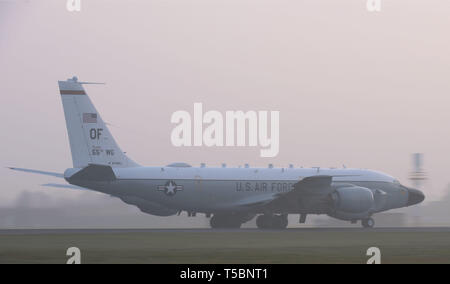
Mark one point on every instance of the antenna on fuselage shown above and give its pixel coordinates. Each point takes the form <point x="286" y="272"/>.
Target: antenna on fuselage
<point x="75" y="80"/>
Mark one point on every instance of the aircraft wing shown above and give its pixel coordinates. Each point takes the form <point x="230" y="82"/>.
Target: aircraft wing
<point x="312" y="185"/>
<point x="309" y="194"/>
<point x="256" y="200"/>
<point x="58" y="175"/>
<point x="305" y="188"/>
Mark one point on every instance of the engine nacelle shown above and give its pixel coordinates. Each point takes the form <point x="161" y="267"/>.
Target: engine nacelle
<point x="149" y="207"/>
<point x="352" y="202"/>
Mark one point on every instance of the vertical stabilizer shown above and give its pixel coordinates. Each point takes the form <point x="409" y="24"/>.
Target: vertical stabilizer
<point x="90" y="139"/>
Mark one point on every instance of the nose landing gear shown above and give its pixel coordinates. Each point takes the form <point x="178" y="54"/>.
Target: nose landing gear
<point x="368" y="223"/>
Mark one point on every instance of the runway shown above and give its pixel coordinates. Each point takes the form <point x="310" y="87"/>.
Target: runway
<point x="186" y="246"/>
<point x="207" y="230"/>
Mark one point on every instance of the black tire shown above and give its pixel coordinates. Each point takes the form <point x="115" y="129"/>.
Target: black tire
<point x="222" y="222"/>
<point x="272" y="221"/>
<point x="214" y="222"/>
<point x="263" y="221"/>
<point x="234" y="224"/>
<point x="279" y="222"/>
<point x="282" y="221"/>
<point x="368" y="223"/>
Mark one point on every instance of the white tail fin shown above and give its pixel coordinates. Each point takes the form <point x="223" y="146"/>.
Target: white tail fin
<point x="90" y="140"/>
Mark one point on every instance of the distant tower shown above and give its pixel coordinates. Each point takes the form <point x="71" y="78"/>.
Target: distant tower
<point x="417" y="177"/>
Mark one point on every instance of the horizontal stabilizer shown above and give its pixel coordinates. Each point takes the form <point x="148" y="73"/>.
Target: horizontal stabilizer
<point x="94" y="172"/>
<point x="38" y="172"/>
<point x="69" y="186"/>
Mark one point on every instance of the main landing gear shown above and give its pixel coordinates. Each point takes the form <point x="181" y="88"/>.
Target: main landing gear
<point x="225" y="222"/>
<point x="368" y="223"/>
<point x="269" y="221"/>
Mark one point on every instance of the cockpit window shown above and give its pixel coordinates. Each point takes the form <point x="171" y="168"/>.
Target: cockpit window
<point x="396" y="181"/>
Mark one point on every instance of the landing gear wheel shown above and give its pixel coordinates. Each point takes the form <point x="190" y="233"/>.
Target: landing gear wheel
<point x="368" y="223"/>
<point x="264" y="221"/>
<point x="224" y="222"/>
<point x="214" y="222"/>
<point x="279" y="221"/>
<point x="235" y="224"/>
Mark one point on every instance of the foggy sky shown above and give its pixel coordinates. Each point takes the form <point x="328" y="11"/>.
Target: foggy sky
<point x="355" y="88"/>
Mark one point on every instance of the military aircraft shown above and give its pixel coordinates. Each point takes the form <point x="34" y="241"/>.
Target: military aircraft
<point x="228" y="196"/>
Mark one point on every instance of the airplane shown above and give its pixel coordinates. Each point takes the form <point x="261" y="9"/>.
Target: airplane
<point x="230" y="197"/>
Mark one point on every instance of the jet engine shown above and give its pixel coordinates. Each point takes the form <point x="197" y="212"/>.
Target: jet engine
<point x="352" y="202"/>
<point x="148" y="206"/>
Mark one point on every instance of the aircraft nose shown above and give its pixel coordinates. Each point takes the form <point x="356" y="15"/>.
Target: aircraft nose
<point x="415" y="196"/>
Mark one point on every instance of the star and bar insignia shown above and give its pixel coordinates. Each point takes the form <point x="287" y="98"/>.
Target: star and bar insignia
<point x="170" y="188"/>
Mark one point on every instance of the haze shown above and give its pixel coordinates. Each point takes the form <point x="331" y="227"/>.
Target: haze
<point x="352" y="87"/>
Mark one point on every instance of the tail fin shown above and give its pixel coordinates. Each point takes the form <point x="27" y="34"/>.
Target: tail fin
<point x="90" y="140"/>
